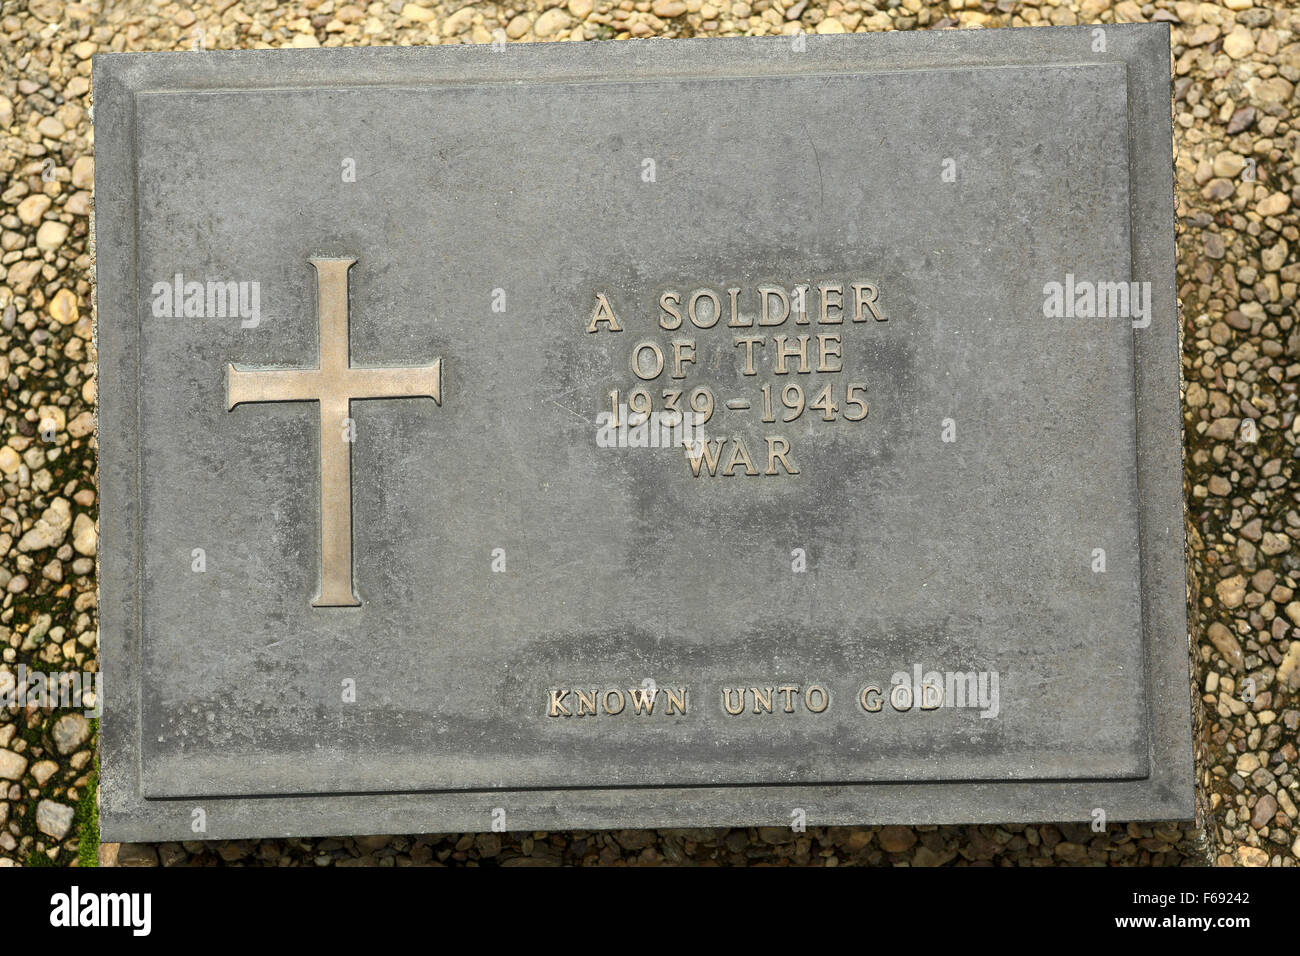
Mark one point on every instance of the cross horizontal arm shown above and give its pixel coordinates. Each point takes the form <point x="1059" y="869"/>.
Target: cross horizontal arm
<point x="271" y="385"/>
<point x="425" y="382"/>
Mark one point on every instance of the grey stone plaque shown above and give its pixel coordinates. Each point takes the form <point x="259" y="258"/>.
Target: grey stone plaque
<point x="640" y="434"/>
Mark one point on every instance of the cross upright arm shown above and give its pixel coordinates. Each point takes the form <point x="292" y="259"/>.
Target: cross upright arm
<point x="334" y="384"/>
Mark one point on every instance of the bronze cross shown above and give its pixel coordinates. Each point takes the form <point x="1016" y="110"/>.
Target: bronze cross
<point x="335" y="384"/>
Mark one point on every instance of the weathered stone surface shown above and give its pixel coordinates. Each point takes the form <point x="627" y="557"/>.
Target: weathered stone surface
<point x="505" y="565"/>
<point x="1227" y="645"/>
<point x="896" y="839"/>
<point x="1288" y="671"/>
<point x="136" y="854"/>
<point x="54" y="819"/>
<point x="12" y="765"/>
<point x="70" y="731"/>
<point x="50" y="529"/>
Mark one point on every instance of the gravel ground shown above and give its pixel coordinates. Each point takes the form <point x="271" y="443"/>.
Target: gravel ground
<point x="1236" y="65"/>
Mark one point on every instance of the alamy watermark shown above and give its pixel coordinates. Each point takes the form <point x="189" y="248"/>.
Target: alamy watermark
<point x="930" y="690"/>
<point x="70" y="690"/>
<point x="76" y="908"/>
<point x="212" y="299"/>
<point x="1085" y="299"/>
<point x="632" y="429"/>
